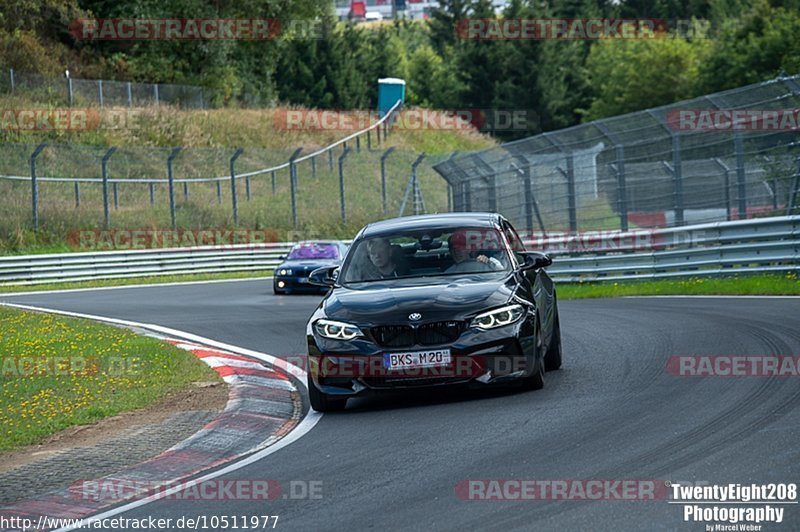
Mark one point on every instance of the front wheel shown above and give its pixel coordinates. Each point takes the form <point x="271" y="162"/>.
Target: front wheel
<point x="552" y="359"/>
<point x="535" y="381"/>
<point x="322" y="402"/>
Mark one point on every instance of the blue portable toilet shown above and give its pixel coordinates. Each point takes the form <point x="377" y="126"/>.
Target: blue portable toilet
<point x="390" y="90"/>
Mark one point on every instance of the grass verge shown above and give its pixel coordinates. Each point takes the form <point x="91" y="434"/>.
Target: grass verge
<point x="156" y="279"/>
<point x="771" y="285"/>
<point x="57" y="372"/>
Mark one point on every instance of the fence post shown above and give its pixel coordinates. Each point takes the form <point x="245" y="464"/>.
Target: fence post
<point x="100" y="91"/>
<point x="130" y="95"/>
<point x="171" y="179"/>
<point x="467" y="191"/>
<point x="677" y="176"/>
<point x="152" y="188"/>
<point x="116" y="196"/>
<point x="795" y="190"/>
<point x="35" y="185"/>
<point x="622" y="189"/>
<point x="369" y="140"/>
<point x="314" y="167"/>
<point x="11" y="77"/>
<point x="273" y="182"/>
<point x="412" y="187"/>
<point x="104" y="169"/>
<point x="386" y="154"/>
<point x="293" y="184"/>
<point x="234" y="200"/>
<point x="330" y="160"/>
<point x="358" y="144"/>
<point x="740" y="175"/>
<point x="524" y="169"/>
<point x="219" y="192"/>
<point x="155" y="92"/>
<point x="247" y="187"/>
<point x="341" y="184"/>
<point x="69" y="91"/>
<point x="77" y="194"/>
<point x="573" y="212"/>
<point x="185" y="191"/>
<point x="727" y="183"/>
<point x="418" y="199"/>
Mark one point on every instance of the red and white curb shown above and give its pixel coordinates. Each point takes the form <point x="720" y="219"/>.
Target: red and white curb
<point x="264" y="413"/>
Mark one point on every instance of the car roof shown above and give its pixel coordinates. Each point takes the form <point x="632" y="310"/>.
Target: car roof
<point x="454" y="219"/>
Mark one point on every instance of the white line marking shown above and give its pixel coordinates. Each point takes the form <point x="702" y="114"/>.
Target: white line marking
<point x="302" y="428"/>
<point x="147" y="285"/>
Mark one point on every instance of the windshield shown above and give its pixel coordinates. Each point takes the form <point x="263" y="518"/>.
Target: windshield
<point x="427" y="253"/>
<point x="313" y="250"/>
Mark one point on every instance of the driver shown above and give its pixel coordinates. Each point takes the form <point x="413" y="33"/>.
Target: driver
<point x="462" y="259"/>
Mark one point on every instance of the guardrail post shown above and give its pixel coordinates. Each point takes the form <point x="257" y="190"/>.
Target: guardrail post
<point x="100" y="91"/>
<point x="104" y="170"/>
<point x="386" y="154"/>
<point x="77" y="194"/>
<point x="293" y="184"/>
<point x="234" y="203"/>
<point x="740" y="175"/>
<point x="677" y="176"/>
<point x="171" y="179"/>
<point x="341" y="184"/>
<point x="130" y="95"/>
<point x="622" y="189"/>
<point x="35" y="185"/>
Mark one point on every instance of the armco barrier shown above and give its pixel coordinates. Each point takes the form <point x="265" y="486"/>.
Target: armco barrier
<point x="725" y="248"/>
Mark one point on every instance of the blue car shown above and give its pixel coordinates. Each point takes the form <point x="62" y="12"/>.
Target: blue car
<point x="292" y="274"/>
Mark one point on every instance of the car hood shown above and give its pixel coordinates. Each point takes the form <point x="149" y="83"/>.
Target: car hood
<point x="384" y="302"/>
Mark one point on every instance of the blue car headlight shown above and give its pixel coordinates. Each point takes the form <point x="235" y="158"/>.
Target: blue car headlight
<point x="284" y="271"/>
<point x="337" y="330"/>
<point x="499" y="317"/>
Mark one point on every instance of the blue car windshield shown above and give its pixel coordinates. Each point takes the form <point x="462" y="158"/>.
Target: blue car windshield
<point x="312" y="250"/>
<point x="428" y="253"/>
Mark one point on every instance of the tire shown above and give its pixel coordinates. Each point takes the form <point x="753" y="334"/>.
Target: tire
<point x="535" y="381"/>
<point x="322" y="402"/>
<point x="552" y="359"/>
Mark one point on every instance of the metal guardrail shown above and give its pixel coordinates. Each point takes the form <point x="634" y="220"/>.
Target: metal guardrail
<point x="724" y="248"/>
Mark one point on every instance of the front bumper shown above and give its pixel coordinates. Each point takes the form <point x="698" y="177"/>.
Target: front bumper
<point x="477" y="358"/>
<point x="295" y="282"/>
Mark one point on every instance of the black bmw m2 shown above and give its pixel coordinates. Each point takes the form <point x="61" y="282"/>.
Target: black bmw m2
<point x="428" y="301"/>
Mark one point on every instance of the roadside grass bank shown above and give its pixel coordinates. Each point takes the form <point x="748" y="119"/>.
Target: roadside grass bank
<point x="58" y="372"/>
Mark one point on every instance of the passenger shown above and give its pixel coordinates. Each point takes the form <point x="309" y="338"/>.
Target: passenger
<point x="462" y="259"/>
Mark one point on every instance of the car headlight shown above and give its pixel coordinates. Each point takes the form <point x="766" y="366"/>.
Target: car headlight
<point x="498" y="317"/>
<point x="337" y="330"/>
<point x="284" y="271"/>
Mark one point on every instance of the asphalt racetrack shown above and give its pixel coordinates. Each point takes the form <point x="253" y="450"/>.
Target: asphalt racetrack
<point x="613" y="412"/>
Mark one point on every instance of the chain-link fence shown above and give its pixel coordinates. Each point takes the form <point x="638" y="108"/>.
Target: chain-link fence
<point x="99" y="93"/>
<point x="335" y="190"/>
<point x="729" y="155"/>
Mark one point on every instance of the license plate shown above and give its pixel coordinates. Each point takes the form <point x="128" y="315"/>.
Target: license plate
<point x="417" y="359"/>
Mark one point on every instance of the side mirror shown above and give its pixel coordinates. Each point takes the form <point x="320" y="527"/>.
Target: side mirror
<point x="535" y="261"/>
<point x="325" y="276"/>
<point x="281" y="257"/>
